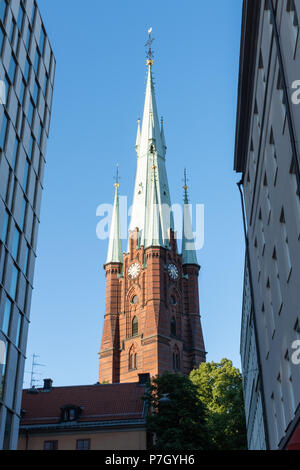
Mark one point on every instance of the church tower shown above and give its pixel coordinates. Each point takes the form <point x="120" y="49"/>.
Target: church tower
<point x="152" y="317"/>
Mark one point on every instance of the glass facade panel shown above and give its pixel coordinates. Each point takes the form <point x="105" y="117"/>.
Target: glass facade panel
<point x="19" y="218"/>
<point x="14" y="282"/>
<point x="1" y="39"/>
<point x="18" y="333"/>
<point x="6" y="318"/>
<point x="12" y="70"/>
<point x="2" y="10"/>
<point x="3" y="132"/>
<point x="3" y="356"/>
<point x="20" y="18"/>
<point x="16" y="243"/>
<point x="5" y="227"/>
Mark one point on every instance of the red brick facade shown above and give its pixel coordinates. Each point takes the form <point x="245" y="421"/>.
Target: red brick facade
<point x="153" y="300"/>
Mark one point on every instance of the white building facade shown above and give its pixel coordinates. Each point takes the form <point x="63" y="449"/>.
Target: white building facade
<point x="268" y="157"/>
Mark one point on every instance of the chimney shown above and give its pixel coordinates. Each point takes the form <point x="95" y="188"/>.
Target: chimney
<point x="144" y="378"/>
<point x="47" y="385"/>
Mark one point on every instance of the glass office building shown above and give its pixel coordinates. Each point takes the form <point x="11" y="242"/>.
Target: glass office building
<point x="27" y="69"/>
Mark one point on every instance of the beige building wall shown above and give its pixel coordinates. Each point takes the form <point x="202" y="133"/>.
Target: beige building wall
<point x="105" y="440"/>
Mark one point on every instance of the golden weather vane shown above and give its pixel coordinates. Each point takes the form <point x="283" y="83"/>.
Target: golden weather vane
<point x="148" y="45"/>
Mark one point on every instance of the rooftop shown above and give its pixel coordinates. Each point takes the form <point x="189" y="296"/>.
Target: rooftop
<point x="95" y="404"/>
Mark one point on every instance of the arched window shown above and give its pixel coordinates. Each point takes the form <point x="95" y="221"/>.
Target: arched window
<point x="176" y="359"/>
<point x="173" y="326"/>
<point x="135" y="300"/>
<point x="135" y="326"/>
<point x="133" y="359"/>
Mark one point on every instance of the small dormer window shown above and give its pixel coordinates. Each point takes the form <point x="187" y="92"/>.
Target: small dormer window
<point x="70" y="413"/>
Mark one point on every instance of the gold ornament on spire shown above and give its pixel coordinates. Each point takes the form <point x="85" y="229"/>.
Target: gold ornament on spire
<point x="149" y="53"/>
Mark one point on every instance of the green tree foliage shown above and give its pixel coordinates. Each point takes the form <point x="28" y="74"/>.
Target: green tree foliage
<point x="221" y="391"/>
<point x="177" y="421"/>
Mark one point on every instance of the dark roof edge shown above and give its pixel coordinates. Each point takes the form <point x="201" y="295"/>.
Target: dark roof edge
<point x="249" y="37"/>
<point x="81" y="425"/>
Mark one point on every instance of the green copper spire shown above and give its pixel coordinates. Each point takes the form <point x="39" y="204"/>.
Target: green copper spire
<point x="153" y="232"/>
<point x="189" y="255"/>
<point x="114" y="254"/>
<point x="151" y="147"/>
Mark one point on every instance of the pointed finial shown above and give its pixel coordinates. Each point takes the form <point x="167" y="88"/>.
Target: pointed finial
<point x="149" y="53"/>
<point x="185" y="187"/>
<point x="117" y="184"/>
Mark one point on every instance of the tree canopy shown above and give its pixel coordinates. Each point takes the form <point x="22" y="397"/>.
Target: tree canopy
<point x="220" y="388"/>
<point x="178" y="418"/>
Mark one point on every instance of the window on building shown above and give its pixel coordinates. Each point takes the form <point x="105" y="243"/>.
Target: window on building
<point x="35" y="92"/>
<point x="33" y="14"/>
<point x="70" y="413"/>
<point x="3" y="346"/>
<point x="15" y="153"/>
<point x="26" y="175"/>
<point x="42" y="41"/>
<point x="3" y="6"/>
<point x="28" y="38"/>
<point x="50" y="445"/>
<point x="14" y="282"/>
<point x="7" y="317"/>
<point x="135" y="363"/>
<point x="7" y="430"/>
<point x="31" y="147"/>
<point x="135" y="327"/>
<point x="45" y="84"/>
<point x="83" y="444"/>
<point x="135" y="300"/>
<point x="26" y="259"/>
<point x="16" y="244"/>
<point x="176" y="358"/>
<point x="12" y="31"/>
<point x="30" y="112"/>
<point x="173" y="326"/>
<point x="22" y="92"/>
<point x="1" y="39"/>
<point x="12" y="70"/>
<point x="20" y="18"/>
<point x="18" y="330"/>
<point x="23" y="214"/>
<point x="40" y="135"/>
<point x="133" y="358"/>
<point x="37" y="61"/>
<point x="3" y="131"/>
<point x="5" y="227"/>
<point x="27" y="69"/>
<point x="291" y="8"/>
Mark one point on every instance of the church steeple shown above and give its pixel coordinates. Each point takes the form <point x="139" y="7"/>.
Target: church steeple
<point x="114" y="253"/>
<point x="151" y="146"/>
<point x="189" y="255"/>
<point x="152" y="316"/>
<point x="153" y="229"/>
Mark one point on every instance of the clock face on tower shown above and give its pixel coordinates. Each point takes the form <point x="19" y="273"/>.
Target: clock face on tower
<point x="134" y="271"/>
<point x="173" y="271"/>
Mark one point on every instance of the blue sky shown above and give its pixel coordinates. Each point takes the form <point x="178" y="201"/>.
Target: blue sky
<point x="98" y="96"/>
